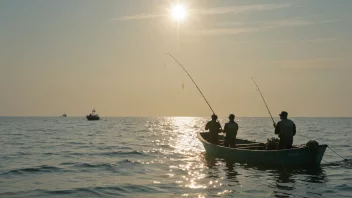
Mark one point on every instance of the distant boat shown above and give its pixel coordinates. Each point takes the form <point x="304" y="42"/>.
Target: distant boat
<point x="93" y="116"/>
<point x="64" y="115"/>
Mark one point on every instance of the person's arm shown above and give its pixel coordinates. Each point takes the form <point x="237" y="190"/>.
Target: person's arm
<point x="225" y="128"/>
<point x="277" y="128"/>
<point x="219" y="127"/>
<point x="207" y="126"/>
<point x="294" y="129"/>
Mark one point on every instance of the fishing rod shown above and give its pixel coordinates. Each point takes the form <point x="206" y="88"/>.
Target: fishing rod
<point x="274" y="125"/>
<point x="189" y="75"/>
<point x="264" y="101"/>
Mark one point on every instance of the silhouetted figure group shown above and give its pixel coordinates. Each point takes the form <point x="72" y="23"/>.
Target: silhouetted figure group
<point x="230" y="129"/>
<point x="285" y="129"/>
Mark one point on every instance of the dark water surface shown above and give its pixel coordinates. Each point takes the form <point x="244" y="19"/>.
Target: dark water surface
<point x="159" y="157"/>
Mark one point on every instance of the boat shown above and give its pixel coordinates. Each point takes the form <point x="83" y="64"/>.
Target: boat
<point x="93" y="116"/>
<point x="251" y="152"/>
<point x="64" y="115"/>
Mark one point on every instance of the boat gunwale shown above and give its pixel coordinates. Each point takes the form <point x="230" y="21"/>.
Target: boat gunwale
<point x="200" y="137"/>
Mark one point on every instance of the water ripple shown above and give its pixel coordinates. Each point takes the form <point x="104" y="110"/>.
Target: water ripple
<point x="38" y="169"/>
<point x="159" y="157"/>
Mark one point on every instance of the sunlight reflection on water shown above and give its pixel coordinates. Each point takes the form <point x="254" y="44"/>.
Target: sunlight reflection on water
<point x="200" y="171"/>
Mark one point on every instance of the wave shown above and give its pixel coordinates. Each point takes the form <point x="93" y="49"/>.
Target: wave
<point x="79" y="143"/>
<point x="42" y="168"/>
<point x="114" y="148"/>
<point x="347" y="163"/>
<point x="123" y="168"/>
<point x="35" y="130"/>
<point x="23" y="153"/>
<point x="344" y="187"/>
<point x="51" y="153"/>
<point x="101" y="165"/>
<point x="120" y="190"/>
<point x="88" y="165"/>
<point x="112" y="153"/>
<point x="128" y="162"/>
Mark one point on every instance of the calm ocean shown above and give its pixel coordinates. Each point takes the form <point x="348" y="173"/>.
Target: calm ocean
<point x="159" y="157"/>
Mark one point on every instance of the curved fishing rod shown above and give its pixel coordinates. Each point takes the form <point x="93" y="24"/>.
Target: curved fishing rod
<point x="193" y="83"/>
<point x="264" y="101"/>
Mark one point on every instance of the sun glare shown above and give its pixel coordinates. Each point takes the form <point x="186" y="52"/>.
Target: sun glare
<point x="178" y="12"/>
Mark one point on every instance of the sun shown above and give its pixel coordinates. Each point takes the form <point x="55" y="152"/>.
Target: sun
<point x="178" y="12"/>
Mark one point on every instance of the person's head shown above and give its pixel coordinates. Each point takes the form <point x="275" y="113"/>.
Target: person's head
<point x="214" y="117"/>
<point x="232" y="117"/>
<point x="283" y="115"/>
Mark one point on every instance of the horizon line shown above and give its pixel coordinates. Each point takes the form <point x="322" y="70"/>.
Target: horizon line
<point x="75" y="116"/>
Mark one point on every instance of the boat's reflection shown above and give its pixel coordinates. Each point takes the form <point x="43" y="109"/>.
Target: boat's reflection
<point x="282" y="181"/>
<point x="216" y="165"/>
<point x="231" y="172"/>
<point x="286" y="180"/>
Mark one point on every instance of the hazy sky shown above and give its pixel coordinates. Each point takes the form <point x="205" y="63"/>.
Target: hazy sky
<point x="70" y="56"/>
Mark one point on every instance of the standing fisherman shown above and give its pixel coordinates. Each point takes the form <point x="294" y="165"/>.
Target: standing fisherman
<point x="231" y="129"/>
<point x="214" y="128"/>
<point x="286" y="129"/>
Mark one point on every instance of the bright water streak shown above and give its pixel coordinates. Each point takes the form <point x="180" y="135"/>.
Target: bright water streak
<point x="158" y="157"/>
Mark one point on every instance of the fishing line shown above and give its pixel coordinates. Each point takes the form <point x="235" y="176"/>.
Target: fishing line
<point x="328" y="147"/>
<point x="338" y="154"/>
<point x="194" y="84"/>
